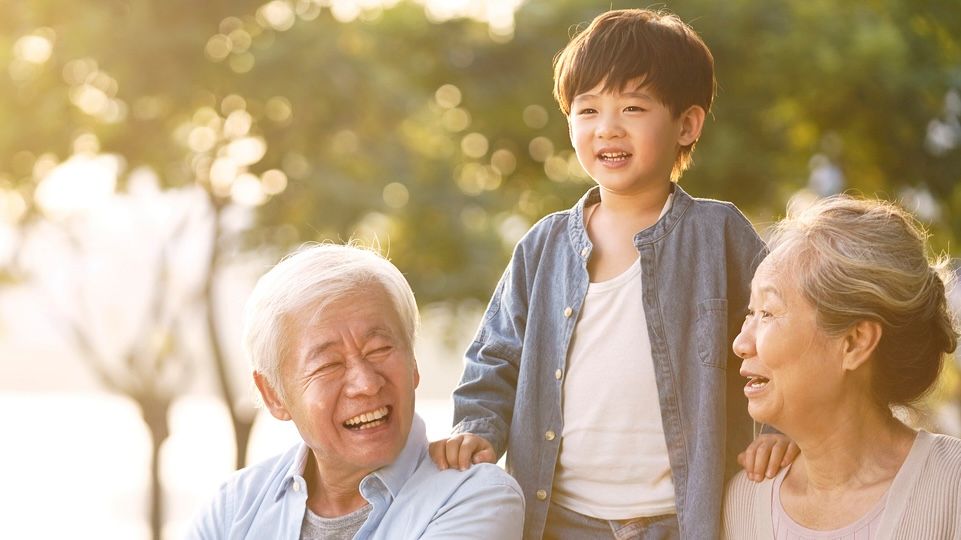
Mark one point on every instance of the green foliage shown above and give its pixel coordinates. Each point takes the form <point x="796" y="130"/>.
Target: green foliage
<point x="371" y="139"/>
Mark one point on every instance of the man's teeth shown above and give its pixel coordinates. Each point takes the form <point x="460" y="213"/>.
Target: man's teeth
<point x="368" y="419"/>
<point x="757" y="382"/>
<point x="614" y="156"/>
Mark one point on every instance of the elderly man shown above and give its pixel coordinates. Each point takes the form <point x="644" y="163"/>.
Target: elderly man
<point x="330" y="333"/>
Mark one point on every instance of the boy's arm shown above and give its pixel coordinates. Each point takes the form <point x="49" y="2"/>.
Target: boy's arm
<point x="745" y="251"/>
<point x="484" y="399"/>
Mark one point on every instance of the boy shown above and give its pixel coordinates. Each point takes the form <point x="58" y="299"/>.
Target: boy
<point x="603" y="360"/>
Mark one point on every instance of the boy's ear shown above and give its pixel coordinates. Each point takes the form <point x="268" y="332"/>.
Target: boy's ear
<point x="860" y="342"/>
<point x="271" y="400"/>
<point x="692" y="120"/>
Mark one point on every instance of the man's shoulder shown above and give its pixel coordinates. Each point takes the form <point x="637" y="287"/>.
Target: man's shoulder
<point x="262" y="476"/>
<point x="428" y="480"/>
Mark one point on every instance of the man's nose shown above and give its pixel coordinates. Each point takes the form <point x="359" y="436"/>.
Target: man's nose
<point x="363" y="379"/>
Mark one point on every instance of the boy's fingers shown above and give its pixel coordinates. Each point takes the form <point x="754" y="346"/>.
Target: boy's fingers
<point x="452" y="450"/>
<point x="741" y="459"/>
<point x="484" y="456"/>
<point x="749" y="461"/>
<point x="774" y="463"/>
<point x="438" y="454"/>
<point x="761" y="456"/>
<point x="793" y="451"/>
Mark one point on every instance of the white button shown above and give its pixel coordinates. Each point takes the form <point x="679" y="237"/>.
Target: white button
<point x="558" y="374"/>
<point x="296" y="485"/>
<point x="541" y="494"/>
<point x="585" y="251"/>
<point x="549" y="435"/>
<point x="568" y="311"/>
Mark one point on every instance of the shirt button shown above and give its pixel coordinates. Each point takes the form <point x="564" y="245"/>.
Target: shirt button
<point x="558" y="374"/>
<point x="296" y="486"/>
<point x="549" y="435"/>
<point x="585" y="251"/>
<point x="568" y="311"/>
<point x="541" y="495"/>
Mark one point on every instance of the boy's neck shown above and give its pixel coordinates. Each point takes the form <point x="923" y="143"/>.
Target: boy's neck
<point x="636" y="203"/>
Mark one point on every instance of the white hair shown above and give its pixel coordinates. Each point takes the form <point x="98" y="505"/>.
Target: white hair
<point x="315" y="275"/>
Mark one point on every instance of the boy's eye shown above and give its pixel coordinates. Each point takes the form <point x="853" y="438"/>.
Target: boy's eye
<point x="634" y="108"/>
<point x="586" y="110"/>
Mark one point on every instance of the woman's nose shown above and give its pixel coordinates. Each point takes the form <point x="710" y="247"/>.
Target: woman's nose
<point x="744" y="342"/>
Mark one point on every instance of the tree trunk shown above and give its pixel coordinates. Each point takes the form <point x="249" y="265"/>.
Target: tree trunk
<point x="242" y="429"/>
<point x="154" y="412"/>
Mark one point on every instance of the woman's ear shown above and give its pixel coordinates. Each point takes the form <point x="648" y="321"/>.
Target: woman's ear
<point x="692" y="121"/>
<point x="271" y="400"/>
<point x="860" y="342"/>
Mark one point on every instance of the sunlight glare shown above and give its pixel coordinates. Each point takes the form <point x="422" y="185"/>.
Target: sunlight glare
<point x="81" y="183"/>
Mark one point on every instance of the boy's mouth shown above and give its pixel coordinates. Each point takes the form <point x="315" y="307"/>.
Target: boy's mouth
<point x="613" y="157"/>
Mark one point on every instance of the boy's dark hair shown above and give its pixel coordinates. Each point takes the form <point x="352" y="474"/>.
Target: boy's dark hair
<point x="657" y="48"/>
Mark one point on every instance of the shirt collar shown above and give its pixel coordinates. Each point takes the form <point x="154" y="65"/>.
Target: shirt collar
<point x="393" y="476"/>
<point x="679" y="202"/>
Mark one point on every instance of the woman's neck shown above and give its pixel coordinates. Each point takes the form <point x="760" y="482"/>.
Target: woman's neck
<point x="861" y="448"/>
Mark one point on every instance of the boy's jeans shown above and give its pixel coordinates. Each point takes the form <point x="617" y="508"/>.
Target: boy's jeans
<point x="567" y="524"/>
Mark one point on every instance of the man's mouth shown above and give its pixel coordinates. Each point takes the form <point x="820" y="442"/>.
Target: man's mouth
<point x="369" y="419"/>
<point x="756" y="382"/>
<point x="613" y="157"/>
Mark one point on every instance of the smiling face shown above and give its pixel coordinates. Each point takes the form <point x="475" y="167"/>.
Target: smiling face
<point x="628" y="141"/>
<point x="794" y="369"/>
<point x="349" y="377"/>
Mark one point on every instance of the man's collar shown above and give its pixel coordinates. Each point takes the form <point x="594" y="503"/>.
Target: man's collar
<point x="393" y="476"/>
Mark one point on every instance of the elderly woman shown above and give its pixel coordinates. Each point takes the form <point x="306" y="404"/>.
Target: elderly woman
<point x="847" y="318"/>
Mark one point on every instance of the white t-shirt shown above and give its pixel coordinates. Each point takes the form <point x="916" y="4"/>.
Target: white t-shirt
<point x="613" y="461"/>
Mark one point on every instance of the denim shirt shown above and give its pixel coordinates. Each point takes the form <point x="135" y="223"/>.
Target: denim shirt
<point x="697" y="262"/>
<point x="411" y="498"/>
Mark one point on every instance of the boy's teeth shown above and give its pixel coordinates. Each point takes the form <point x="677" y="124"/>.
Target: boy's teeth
<point x="367" y="417"/>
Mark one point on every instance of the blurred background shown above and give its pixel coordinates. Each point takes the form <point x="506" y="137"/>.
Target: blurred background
<point x="157" y="156"/>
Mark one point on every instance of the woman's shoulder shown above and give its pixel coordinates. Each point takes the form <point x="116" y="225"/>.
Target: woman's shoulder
<point x="944" y="456"/>
<point x="740" y="516"/>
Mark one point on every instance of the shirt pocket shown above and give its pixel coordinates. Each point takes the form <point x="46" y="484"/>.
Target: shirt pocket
<point x="712" y="342"/>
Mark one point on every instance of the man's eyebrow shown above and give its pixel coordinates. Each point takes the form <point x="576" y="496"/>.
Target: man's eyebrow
<point x="379" y="331"/>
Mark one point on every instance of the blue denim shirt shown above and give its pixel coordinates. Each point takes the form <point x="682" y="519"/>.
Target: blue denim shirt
<point x="697" y="262"/>
<point x="411" y="498"/>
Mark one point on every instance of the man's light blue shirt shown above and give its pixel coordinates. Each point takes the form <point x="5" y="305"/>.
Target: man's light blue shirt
<point x="411" y="498"/>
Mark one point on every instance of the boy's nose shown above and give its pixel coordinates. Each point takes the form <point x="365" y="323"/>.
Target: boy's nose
<point x="609" y="128"/>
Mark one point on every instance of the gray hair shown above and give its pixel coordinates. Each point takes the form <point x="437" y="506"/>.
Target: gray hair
<point x="858" y="259"/>
<point x="315" y="274"/>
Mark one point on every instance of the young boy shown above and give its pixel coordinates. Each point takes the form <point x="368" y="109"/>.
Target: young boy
<point x="603" y="361"/>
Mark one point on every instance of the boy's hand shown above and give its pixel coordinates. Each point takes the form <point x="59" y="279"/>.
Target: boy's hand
<point x="460" y="451"/>
<point x="766" y="455"/>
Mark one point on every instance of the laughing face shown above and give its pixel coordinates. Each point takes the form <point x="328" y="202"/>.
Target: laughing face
<point x="792" y="367"/>
<point x="349" y="377"/>
<point x="628" y="140"/>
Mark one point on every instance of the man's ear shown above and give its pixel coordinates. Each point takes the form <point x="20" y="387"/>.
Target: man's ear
<point x="859" y="342"/>
<point x="692" y="121"/>
<point x="271" y="400"/>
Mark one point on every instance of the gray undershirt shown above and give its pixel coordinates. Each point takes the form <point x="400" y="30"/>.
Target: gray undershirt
<point x="339" y="528"/>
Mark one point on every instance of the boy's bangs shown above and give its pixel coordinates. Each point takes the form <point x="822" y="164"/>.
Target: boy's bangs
<point x="624" y="64"/>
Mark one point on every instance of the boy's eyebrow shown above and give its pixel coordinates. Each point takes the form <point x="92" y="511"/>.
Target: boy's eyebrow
<point x="633" y="94"/>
